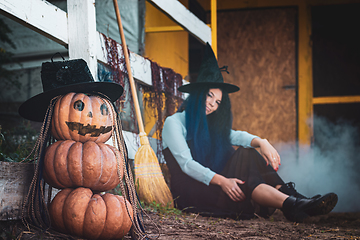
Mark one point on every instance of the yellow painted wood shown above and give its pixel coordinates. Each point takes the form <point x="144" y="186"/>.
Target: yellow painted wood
<point x="149" y="118"/>
<point x="166" y="45"/>
<point x="214" y="26"/>
<point x="164" y="29"/>
<point x="155" y="18"/>
<point x="336" y="99"/>
<point x="167" y="48"/>
<point x="305" y="79"/>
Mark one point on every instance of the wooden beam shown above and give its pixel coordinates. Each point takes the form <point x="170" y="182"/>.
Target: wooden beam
<point x="305" y="79"/>
<point x="336" y="99"/>
<point x="164" y="29"/>
<point x="169" y="29"/>
<point x="214" y="26"/>
<point x="82" y="32"/>
<point x="182" y="16"/>
<point x="38" y="15"/>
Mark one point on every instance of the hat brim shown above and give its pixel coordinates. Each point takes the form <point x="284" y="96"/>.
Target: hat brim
<point x="188" y="88"/>
<point x="34" y="109"/>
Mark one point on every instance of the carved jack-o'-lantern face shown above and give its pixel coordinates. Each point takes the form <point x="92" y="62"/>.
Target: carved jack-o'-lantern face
<point x="81" y="118"/>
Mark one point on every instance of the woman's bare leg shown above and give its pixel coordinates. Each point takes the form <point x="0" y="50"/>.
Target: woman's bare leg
<point x="268" y="196"/>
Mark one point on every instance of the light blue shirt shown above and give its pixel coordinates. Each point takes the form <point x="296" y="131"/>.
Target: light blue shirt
<point x="174" y="137"/>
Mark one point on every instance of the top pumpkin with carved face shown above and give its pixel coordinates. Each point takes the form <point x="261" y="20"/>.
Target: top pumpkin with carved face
<point x="81" y="118"/>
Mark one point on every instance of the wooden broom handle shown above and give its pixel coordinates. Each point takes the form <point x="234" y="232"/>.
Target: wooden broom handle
<point x="128" y="67"/>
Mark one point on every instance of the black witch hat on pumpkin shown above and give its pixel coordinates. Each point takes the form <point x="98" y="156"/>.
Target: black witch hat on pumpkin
<point x="59" y="78"/>
<point x="209" y="75"/>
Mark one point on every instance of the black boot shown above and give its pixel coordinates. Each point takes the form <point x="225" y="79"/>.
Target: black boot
<point x="293" y="208"/>
<point x="325" y="204"/>
<point x="298" y="209"/>
<point x="289" y="189"/>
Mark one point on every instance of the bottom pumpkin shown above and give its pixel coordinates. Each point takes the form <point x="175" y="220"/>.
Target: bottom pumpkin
<point x="81" y="213"/>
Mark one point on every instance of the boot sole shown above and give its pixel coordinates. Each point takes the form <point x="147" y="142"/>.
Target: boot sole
<point x="324" y="205"/>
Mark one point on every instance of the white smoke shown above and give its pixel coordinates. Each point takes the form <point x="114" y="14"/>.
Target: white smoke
<point x="331" y="165"/>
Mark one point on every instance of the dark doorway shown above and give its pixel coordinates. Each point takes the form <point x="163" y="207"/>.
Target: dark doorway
<point x="336" y="61"/>
<point x="336" y="72"/>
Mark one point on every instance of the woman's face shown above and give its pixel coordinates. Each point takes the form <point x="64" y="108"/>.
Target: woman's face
<point x="213" y="100"/>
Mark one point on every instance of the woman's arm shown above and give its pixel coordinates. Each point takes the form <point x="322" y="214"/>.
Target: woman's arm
<point x="267" y="151"/>
<point x="174" y="137"/>
<point x="229" y="186"/>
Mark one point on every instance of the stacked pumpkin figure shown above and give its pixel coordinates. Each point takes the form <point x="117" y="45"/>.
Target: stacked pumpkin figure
<point x="81" y="164"/>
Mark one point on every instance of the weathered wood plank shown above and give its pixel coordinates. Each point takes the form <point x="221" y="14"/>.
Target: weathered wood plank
<point x="15" y="180"/>
<point x="259" y="47"/>
<point x="38" y="15"/>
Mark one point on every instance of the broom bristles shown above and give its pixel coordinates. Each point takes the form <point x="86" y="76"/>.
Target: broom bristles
<point x="149" y="179"/>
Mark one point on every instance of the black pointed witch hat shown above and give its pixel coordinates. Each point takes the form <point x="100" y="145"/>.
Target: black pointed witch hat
<point x="59" y="78"/>
<point x="209" y="75"/>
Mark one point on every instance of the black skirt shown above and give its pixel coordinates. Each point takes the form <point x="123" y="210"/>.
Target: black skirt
<point x="245" y="164"/>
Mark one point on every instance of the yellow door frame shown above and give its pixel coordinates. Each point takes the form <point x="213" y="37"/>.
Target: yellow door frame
<point x="306" y="99"/>
<point x="305" y="76"/>
<point x="214" y="26"/>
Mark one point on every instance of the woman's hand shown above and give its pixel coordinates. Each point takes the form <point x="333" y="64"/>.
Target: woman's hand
<point x="268" y="152"/>
<point x="230" y="187"/>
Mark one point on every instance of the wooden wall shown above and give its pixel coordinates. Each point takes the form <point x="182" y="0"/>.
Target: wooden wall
<point x="259" y="47"/>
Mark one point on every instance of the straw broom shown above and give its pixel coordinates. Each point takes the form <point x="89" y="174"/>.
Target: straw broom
<point x="149" y="180"/>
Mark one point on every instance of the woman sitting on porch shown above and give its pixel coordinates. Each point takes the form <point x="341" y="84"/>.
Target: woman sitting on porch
<point x="209" y="176"/>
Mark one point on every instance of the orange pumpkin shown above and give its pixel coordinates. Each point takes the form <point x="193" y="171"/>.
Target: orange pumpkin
<point x="78" y="212"/>
<point x="81" y="118"/>
<point x="70" y="164"/>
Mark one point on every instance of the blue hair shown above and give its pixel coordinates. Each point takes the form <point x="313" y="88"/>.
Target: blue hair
<point x="208" y="135"/>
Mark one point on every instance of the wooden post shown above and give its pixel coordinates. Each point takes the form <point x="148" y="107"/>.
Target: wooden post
<point x="214" y="26"/>
<point x="82" y="32"/>
<point x="305" y="93"/>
